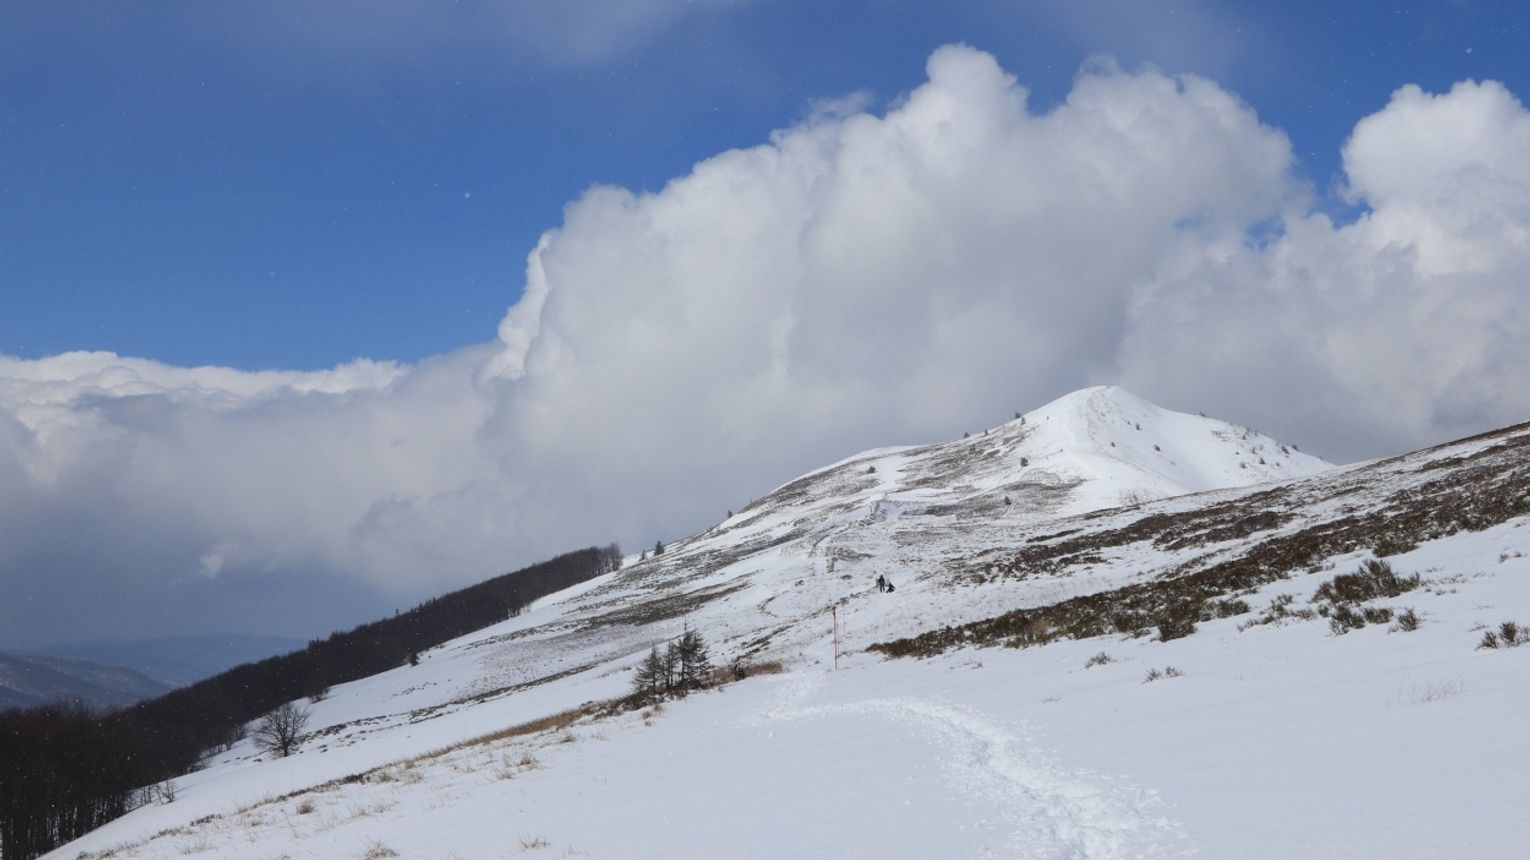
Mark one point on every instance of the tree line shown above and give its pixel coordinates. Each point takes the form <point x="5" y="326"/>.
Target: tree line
<point x="66" y="770"/>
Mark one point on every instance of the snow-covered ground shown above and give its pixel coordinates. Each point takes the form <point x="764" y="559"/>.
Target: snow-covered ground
<point x="1270" y="740"/>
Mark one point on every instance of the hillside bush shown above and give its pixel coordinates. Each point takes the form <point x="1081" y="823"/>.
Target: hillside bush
<point x="1343" y="618"/>
<point x="1408" y="621"/>
<point x="1509" y="634"/>
<point x="1374" y="579"/>
<point x="1226" y="608"/>
<point x="1394" y="545"/>
<point x="1175" y="628"/>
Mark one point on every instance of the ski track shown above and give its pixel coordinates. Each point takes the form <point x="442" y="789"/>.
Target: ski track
<point x="1052" y="813"/>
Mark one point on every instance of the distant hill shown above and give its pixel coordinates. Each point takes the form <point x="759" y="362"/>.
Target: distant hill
<point x="30" y="679"/>
<point x="176" y="660"/>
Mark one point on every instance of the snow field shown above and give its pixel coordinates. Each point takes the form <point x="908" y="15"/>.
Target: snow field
<point x="1276" y="741"/>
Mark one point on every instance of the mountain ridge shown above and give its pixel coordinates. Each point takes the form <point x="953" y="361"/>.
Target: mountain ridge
<point x="32" y="679"/>
<point x="175" y="660"/>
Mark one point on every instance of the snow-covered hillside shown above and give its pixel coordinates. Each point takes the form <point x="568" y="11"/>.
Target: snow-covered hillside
<point x="1275" y="736"/>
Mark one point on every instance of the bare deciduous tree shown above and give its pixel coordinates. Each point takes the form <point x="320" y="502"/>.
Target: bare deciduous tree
<point x="280" y="731"/>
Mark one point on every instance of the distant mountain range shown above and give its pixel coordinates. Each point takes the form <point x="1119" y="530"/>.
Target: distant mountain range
<point x="113" y="673"/>
<point x="30" y="679"/>
<point x="176" y="660"/>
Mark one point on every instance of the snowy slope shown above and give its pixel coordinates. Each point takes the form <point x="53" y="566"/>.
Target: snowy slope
<point x="1280" y="739"/>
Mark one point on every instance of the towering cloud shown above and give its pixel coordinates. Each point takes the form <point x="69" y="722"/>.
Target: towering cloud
<point x="1407" y="326"/>
<point x="861" y="279"/>
<point x="865" y="279"/>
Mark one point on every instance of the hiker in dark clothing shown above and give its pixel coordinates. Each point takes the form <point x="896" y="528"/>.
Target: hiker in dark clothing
<point x="890" y="588"/>
<point x="881" y="582"/>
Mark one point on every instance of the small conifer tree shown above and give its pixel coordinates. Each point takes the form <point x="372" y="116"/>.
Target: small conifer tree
<point x="648" y="681"/>
<point x="692" y="661"/>
<point x="669" y="671"/>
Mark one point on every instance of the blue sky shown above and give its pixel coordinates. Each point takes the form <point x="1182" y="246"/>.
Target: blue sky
<point x="297" y="187"/>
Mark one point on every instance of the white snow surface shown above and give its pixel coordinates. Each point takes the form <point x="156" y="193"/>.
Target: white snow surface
<point x="1278" y="740"/>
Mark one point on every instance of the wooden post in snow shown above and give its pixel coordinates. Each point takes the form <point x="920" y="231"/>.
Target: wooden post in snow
<point x="835" y="611"/>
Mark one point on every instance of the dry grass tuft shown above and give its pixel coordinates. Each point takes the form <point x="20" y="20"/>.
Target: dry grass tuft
<point x="1430" y="691"/>
<point x="552" y="722"/>
<point x="377" y="851"/>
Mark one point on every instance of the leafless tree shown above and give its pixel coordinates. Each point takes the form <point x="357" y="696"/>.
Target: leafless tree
<point x="280" y="731"/>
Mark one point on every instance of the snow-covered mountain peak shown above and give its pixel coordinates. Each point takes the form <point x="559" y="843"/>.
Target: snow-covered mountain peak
<point x="1095" y="448"/>
<point x="1123" y="449"/>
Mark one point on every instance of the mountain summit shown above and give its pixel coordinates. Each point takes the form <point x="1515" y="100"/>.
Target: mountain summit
<point x="1096" y="448"/>
<point x="1124" y="450"/>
